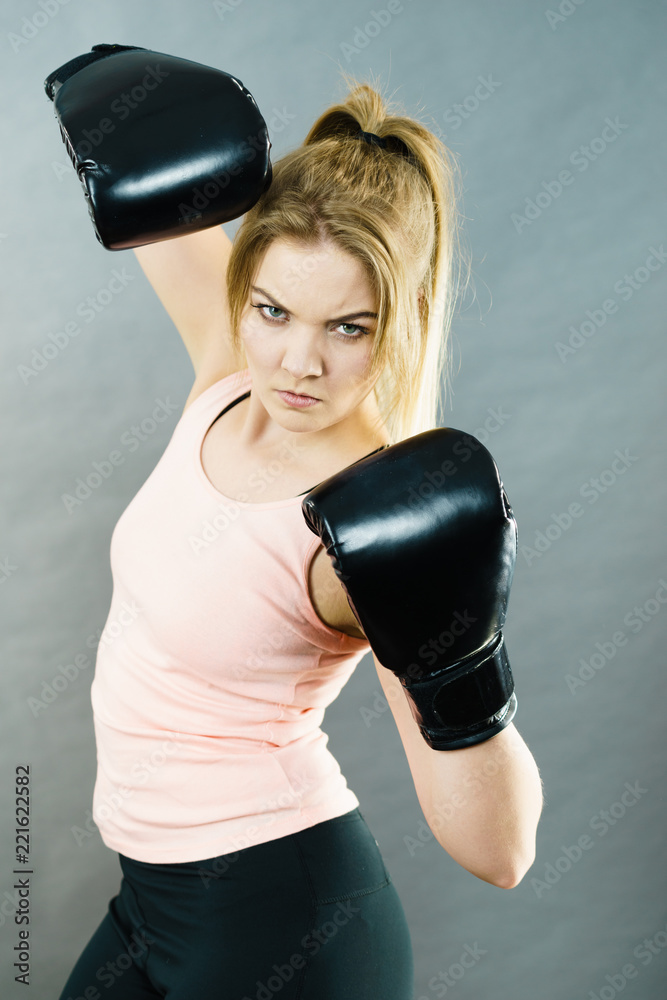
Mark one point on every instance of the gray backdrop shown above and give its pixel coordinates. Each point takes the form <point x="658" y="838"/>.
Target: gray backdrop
<point x="557" y="117"/>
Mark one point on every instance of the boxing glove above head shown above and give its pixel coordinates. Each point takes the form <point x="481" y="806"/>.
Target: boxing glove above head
<point x="424" y="542"/>
<point x="163" y="146"/>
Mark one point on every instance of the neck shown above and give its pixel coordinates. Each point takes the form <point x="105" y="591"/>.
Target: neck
<point x="360" y="431"/>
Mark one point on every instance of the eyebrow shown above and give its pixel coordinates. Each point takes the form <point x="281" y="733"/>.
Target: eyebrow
<point x="336" y="319"/>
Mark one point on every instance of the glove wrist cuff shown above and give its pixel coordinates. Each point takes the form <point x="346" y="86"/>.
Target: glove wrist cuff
<point x="465" y="703"/>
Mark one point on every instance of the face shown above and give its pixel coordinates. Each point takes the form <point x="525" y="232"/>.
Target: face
<point x="308" y="329"/>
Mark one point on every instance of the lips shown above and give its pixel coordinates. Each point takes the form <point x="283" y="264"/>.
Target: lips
<point x="303" y="395"/>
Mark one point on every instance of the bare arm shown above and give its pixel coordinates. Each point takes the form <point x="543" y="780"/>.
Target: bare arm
<point x="482" y="803"/>
<point x="188" y="276"/>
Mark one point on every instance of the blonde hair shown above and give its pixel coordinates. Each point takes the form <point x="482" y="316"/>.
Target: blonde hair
<point x="394" y="210"/>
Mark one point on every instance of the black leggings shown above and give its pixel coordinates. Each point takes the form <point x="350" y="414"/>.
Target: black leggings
<point x="310" y="916"/>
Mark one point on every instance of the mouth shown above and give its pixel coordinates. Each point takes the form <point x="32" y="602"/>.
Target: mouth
<point x="297" y="400"/>
<point x="300" y="395"/>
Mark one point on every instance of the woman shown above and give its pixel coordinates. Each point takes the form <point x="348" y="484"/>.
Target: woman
<point x="248" y="869"/>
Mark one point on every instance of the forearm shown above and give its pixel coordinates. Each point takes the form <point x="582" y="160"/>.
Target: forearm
<point x="482" y="803"/>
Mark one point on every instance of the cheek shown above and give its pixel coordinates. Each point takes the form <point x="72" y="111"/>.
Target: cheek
<point x="245" y="329"/>
<point x="359" y="363"/>
<point x="254" y="337"/>
<point x="350" y="379"/>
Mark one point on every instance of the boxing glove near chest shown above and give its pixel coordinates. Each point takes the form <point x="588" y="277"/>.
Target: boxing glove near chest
<point x="423" y="539"/>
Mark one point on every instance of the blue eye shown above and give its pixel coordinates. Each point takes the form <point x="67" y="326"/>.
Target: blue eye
<point x="265" y="305"/>
<point x="362" y="330"/>
<point x="273" y="307"/>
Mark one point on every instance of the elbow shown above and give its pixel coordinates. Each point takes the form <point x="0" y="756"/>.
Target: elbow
<point x="513" y="874"/>
<point x="503" y="872"/>
<point x="509" y="880"/>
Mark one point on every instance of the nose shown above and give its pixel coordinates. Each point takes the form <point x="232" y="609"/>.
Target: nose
<point x="302" y="357"/>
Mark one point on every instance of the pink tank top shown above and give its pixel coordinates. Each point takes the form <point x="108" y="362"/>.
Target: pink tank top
<point x="213" y="671"/>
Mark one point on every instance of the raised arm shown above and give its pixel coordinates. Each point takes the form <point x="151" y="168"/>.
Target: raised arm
<point x="188" y="276"/>
<point x="191" y="155"/>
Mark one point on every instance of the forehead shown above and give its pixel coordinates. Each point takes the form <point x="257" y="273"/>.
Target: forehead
<point x="322" y="271"/>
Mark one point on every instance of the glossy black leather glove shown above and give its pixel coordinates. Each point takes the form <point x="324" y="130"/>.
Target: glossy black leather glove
<point x="423" y="539"/>
<point x="163" y="146"/>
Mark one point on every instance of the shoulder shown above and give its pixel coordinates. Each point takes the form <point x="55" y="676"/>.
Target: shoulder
<point x="328" y="596"/>
<point x="208" y="377"/>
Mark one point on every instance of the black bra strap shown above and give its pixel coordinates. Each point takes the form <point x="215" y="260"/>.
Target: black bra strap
<point x="245" y="396"/>
<point x="382" y="446"/>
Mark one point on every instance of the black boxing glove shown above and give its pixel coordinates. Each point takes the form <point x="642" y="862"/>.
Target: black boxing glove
<point x="424" y="542"/>
<point x="163" y="146"/>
